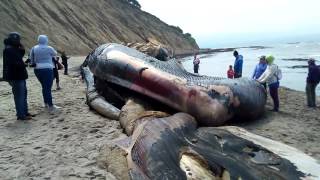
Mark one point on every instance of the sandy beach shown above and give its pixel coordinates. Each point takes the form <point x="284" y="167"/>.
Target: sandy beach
<point x="67" y="145"/>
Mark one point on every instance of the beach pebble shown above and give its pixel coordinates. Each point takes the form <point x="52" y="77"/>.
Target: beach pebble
<point x="93" y="130"/>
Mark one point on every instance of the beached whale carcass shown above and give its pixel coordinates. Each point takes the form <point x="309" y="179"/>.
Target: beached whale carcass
<point x="173" y="147"/>
<point x="211" y="100"/>
<point x="164" y="146"/>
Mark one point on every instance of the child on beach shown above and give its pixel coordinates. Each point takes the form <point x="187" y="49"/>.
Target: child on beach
<point x="55" y="61"/>
<point x="230" y="72"/>
<point x="64" y="59"/>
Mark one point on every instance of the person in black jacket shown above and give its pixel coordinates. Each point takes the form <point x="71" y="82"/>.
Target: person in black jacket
<point x="15" y="73"/>
<point x="55" y="62"/>
<point x="312" y="82"/>
<point x="64" y="59"/>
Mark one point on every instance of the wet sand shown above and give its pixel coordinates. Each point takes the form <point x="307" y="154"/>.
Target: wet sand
<point x="66" y="145"/>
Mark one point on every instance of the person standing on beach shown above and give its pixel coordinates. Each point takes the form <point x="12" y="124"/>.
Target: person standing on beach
<point x="313" y="79"/>
<point x="230" y="72"/>
<point x="196" y="63"/>
<point x="259" y="69"/>
<point x="41" y="57"/>
<point x="15" y="73"/>
<point x="64" y="59"/>
<point x="271" y="76"/>
<point x="237" y="64"/>
<point x="56" y="72"/>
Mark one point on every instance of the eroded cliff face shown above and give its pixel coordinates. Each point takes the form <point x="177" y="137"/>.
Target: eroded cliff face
<point x="78" y="26"/>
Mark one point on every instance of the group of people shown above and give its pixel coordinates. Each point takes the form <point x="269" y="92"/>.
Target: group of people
<point x="237" y="71"/>
<point x="265" y="72"/>
<point x="46" y="65"/>
<point x="42" y="59"/>
<point x="269" y="74"/>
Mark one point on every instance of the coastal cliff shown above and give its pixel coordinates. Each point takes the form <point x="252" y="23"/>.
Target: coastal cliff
<point x="80" y="26"/>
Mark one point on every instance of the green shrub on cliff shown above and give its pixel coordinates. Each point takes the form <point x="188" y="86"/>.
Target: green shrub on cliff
<point x="189" y="37"/>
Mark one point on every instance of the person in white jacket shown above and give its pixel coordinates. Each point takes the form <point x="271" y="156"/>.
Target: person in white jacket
<point x="270" y="76"/>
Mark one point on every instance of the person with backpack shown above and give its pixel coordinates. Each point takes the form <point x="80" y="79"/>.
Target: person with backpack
<point x="271" y="76"/>
<point x="313" y="79"/>
<point x="15" y="73"/>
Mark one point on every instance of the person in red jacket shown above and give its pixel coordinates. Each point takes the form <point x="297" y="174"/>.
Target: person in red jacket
<point x="230" y="72"/>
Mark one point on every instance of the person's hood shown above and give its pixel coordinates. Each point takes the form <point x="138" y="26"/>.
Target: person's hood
<point x="6" y="42"/>
<point x="239" y="57"/>
<point x="270" y="59"/>
<point x="311" y="61"/>
<point x="43" y="40"/>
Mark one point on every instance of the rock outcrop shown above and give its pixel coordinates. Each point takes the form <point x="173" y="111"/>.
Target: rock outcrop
<point x="80" y="26"/>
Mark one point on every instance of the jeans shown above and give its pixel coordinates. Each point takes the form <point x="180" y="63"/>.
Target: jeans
<point x="45" y="77"/>
<point x="65" y="65"/>
<point x="311" y="94"/>
<point x="19" y="90"/>
<point x="273" y="88"/>
<point x="237" y="75"/>
<point x="196" y="68"/>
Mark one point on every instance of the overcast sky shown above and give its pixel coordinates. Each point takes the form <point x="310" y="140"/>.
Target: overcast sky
<point x="212" y="18"/>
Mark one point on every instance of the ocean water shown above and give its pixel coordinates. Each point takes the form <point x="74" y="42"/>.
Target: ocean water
<point x="295" y="78"/>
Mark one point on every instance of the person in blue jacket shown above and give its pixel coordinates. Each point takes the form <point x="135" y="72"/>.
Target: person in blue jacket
<point x="237" y="64"/>
<point x="259" y="69"/>
<point x="41" y="57"/>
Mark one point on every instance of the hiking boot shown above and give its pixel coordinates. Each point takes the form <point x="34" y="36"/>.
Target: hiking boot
<point x="57" y="107"/>
<point x="54" y="109"/>
<point x="46" y="106"/>
<point x="30" y="115"/>
<point x="24" y="118"/>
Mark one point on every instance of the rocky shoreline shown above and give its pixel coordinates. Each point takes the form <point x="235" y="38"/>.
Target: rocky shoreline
<point x="216" y="50"/>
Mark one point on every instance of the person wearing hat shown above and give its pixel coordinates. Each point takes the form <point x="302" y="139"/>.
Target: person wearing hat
<point x="15" y="73"/>
<point x="271" y="77"/>
<point x="312" y="82"/>
<point x="260" y="68"/>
